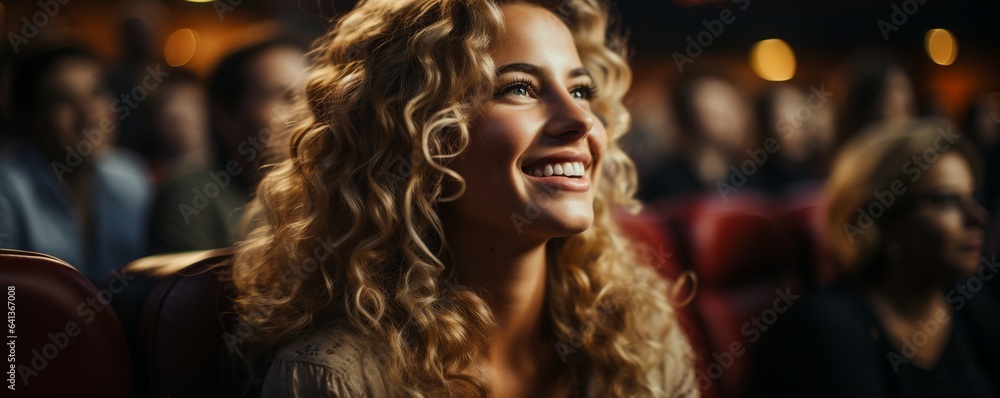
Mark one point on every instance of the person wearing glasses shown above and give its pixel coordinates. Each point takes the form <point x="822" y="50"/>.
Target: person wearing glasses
<point x="911" y="316"/>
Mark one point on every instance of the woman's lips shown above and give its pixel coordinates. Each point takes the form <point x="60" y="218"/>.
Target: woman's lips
<point x="566" y="170"/>
<point x="973" y="247"/>
<point x="572" y="184"/>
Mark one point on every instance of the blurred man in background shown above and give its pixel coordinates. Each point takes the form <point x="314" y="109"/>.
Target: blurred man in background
<point x="250" y="91"/>
<point x="177" y="118"/>
<point x="716" y="129"/>
<point x="66" y="190"/>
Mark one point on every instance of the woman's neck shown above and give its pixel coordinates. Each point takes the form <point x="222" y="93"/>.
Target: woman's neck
<point x="908" y="303"/>
<point x="908" y="294"/>
<point x="510" y="276"/>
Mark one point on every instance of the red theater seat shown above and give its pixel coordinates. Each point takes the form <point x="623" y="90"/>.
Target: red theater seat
<point x="184" y="324"/>
<point x="649" y="231"/>
<point x="804" y="222"/>
<point x="739" y="254"/>
<point x="653" y="242"/>
<point x="69" y="342"/>
<point x="735" y="241"/>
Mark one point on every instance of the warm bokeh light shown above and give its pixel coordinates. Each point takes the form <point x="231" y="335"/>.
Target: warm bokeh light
<point x="180" y="47"/>
<point x="773" y="60"/>
<point x="941" y="46"/>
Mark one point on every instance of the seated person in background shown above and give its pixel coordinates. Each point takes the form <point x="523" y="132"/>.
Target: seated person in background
<point x="905" y="320"/>
<point x="6" y="66"/>
<point x="804" y="139"/>
<point x="250" y="92"/>
<point x="982" y="123"/>
<point x="715" y="132"/>
<point x="879" y="89"/>
<point x="178" y="123"/>
<point x="64" y="189"/>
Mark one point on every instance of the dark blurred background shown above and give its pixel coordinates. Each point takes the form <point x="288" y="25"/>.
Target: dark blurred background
<point x="713" y="81"/>
<point x="822" y="35"/>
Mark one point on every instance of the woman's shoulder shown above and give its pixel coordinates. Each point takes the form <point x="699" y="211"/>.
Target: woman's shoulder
<point x="678" y="368"/>
<point x="336" y="361"/>
<point x="332" y="347"/>
<point x="835" y="320"/>
<point x="827" y="307"/>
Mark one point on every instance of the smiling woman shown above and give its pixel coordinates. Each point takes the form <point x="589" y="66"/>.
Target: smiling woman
<point x="449" y="196"/>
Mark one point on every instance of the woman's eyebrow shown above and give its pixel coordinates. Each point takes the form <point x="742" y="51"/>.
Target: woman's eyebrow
<point x="520" y="67"/>
<point x="535" y="70"/>
<point x="580" y="72"/>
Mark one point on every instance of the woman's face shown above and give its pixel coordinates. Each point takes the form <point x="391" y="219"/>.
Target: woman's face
<point x="794" y="141"/>
<point x="182" y="117"/>
<point x="533" y="161"/>
<point x="898" y="100"/>
<point x="944" y="224"/>
<point x="723" y="115"/>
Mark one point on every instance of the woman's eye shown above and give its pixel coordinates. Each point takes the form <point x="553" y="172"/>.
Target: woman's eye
<point x="945" y="199"/>
<point x="949" y="201"/>
<point x="520" y="91"/>
<point x="955" y="202"/>
<point x="516" y="90"/>
<point x="585" y="92"/>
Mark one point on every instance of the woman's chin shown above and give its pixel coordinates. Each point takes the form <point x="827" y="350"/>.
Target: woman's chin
<point x="968" y="266"/>
<point x="562" y="227"/>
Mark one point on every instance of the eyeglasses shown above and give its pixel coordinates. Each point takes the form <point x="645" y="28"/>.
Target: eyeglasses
<point x="942" y="201"/>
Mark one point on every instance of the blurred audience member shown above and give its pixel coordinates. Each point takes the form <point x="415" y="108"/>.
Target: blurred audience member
<point x="66" y="191"/>
<point x="250" y="92"/>
<point x="6" y="70"/>
<point x="715" y="137"/>
<point x="982" y="123"/>
<point x="822" y="127"/>
<point x="786" y="114"/>
<point x="992" y="245"/>
<point x="138" y="52"/>
<point x="911" y="317"/>
<point x="879" y="91"/>
<point x="178" y="119"/>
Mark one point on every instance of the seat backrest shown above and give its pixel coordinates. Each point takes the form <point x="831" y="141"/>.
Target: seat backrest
<point x="739" y="254"/>
<point x="736" y="240"/>
<point x="805" y="225"/>
<point x="650" y="239"/>
<point x="184" y="323"/>
<point x="67" y="340"/>
<point x="650" y="233"/>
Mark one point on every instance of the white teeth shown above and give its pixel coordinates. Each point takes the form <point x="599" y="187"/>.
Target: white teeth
<point x="568" y="169"/>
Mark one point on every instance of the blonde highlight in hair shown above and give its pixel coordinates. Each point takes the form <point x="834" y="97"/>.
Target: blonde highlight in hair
<point x="391" y="92"/>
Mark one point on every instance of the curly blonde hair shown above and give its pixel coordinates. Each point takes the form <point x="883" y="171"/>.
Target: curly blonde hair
<point x="347" y="228"/>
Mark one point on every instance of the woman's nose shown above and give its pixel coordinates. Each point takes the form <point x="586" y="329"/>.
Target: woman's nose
<point x="570" y="119"/>
<point x="975" y="213"/>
